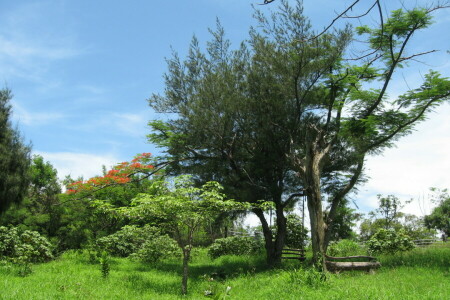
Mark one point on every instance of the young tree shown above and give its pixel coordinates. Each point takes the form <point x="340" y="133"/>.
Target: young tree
<point x="291" y="112"/>
<point x="183" y="210"/>
<point x="14" y="157"/>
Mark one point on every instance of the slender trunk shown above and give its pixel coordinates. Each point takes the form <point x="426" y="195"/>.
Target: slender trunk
<point x="281" y="233"/>
<point x="268" y="237"/>
<point x="184" y="281"/>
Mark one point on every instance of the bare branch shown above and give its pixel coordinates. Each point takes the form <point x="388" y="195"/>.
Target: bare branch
<point x="418" y="54"/>
<point x="335" y="19"/>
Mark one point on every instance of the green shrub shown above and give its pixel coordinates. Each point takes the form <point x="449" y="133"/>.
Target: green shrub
<point x="24" y="247"/>
<point x="344" y="248"/>
<point x="389" y="241"/>
<point x="105" y="264"/>
<point x="129" y="239"/>
<point x="296" y="234"/>
<point x="233" y="246"/>
<point x="156" y="248"/>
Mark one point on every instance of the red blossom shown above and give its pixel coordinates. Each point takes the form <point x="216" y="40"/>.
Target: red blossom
<point x="120" y="174"/>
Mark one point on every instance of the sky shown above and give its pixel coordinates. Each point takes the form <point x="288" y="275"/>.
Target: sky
<point x="81" y="72"/>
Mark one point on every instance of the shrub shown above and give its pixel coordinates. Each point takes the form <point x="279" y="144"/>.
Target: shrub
<point x="344" y="248"/>
<point x="296" y="234"/>
<point x="24" y="247"/>
<point x="105" y="264"/>
<point x="389" y="241"/>
<point x="233" y="246"/>
<point x="129" y="239"/>
<point x="156" y="248"/>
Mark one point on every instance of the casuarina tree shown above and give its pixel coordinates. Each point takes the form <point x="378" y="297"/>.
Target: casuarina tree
<point x="14" y="157"/>
<point x="292" y="111"/>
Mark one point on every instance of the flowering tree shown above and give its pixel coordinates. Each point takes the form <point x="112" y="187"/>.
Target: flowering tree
<point x="120" y="174"/>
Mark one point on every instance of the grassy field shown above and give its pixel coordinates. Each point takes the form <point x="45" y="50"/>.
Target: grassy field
<point x="419" y="274"/>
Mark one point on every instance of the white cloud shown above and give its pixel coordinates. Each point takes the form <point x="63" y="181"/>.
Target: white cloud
<point x="78" y="164"/>
<point x="129" y="123"/>
<point x="420" y="161"/>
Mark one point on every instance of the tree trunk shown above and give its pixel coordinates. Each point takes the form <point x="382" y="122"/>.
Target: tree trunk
<point x="314" y="159"/>
<point x="318" y="227"/>
<point x="184" y="280"/>
<point x="273" y="247"/>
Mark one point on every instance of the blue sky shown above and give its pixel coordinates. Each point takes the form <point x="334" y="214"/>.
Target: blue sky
<point x="81" y="72"/>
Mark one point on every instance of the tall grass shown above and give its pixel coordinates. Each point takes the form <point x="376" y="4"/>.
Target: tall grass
<point x="419" y="274"/>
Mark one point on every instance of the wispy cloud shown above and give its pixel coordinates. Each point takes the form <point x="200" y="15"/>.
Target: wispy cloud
<point x="24" y="116"/>
<point x="129" y="123"/>
<point x="78" y="164"/>
<point x="28" y="46"/>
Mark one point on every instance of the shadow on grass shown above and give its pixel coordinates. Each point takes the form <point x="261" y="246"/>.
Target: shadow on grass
<point x="220" y="269"/>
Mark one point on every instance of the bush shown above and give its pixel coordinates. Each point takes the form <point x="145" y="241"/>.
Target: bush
<point x="389" y="241"/>
<point x="233" y="246"/>
<point x="296" y="234"/>
<point x="24" y="247"/>
<point x="156" y="248"/>
<point x="344" y="248"/>
<point x="129" y="239"/>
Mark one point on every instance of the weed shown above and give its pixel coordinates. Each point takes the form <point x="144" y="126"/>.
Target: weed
<point x="105" y="264"/>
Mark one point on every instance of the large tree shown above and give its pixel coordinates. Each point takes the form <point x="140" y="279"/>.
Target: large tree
<point x="292" y="112"/>
<point x="14" y="157"/>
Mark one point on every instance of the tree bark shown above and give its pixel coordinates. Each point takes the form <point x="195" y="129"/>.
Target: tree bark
<point x="312" y="173"/>
<point x="273" y="247"/>
<point x="184" y="280"/>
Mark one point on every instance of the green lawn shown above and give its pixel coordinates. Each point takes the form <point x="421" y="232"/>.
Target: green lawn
<point x="419" y="274"/>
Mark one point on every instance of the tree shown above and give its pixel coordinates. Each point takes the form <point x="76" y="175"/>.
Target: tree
<point x="40" y="209"/>
<point x="182" y="210"/>
<point x="14" y="157"/>
<point x="440" y="216"/>
<point x="389" y="217"/>
<point x="344" y="221"/>
<point x="292" y="111"/>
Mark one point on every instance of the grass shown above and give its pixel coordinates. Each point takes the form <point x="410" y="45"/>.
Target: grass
<point x="419" y="274"/>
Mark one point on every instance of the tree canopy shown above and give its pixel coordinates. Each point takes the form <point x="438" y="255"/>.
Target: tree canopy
<point x="291" y="111"/>
<point x="440" y="216"/>
<point x="14" y="157"/>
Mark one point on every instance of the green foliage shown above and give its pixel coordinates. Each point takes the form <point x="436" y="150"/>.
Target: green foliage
<point x="158" y="247"/>
<point x="310" y="277"/>
<point x="105" y="264"/>
<point x="14" y="157"/>
<point x="234" y="245"/>
<point x="389" y="241"/>
<point x="403" y="276"/>
<point x="128" y="240"/>
<point x="344" y="221"/>
<point x="389" y="216"/>
<point x="344" y="248"/>
<point x="24" y="247"/>
<point x="440" y="216"/>
<point x="288" y="110"/>
<point x="296" y="234"/>
<point x="41" y="209"/>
